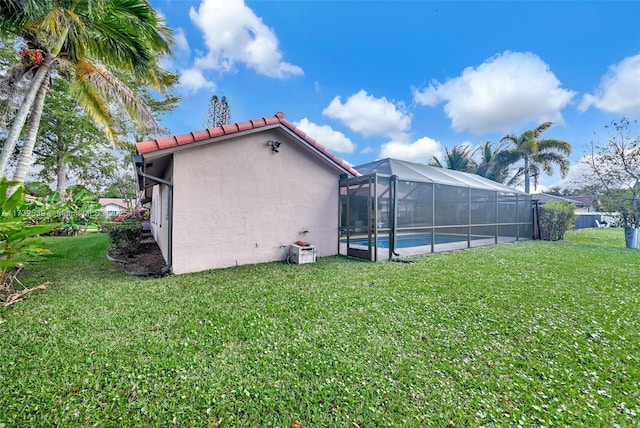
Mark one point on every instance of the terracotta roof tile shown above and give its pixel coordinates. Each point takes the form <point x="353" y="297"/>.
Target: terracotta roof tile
<point x="116" y="201"/>
<point x="215" y="132"/>
<point x="205" y="134"/>
<point x="258" y="122"/>
<point x="147" y="146"/>
<point x="185" y="139"/>
<point x="231" y="128"/>
<point x="300" y="133"/>
<point x="271" y="120"/>
<point x="245" y="126"/>
<point x="201" y="135"/>
<point x="166" y="142"/>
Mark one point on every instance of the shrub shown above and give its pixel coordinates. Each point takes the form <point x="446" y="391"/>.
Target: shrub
<point x="16" y="245"/>
<point x="555" y="219"/>
<point x="125" y="235"/>
<point x="73" y="215"/>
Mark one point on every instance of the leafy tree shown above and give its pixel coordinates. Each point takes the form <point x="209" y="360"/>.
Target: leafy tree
<point x="536" y="154"/>
<point x="557" y="191"/>
<point x="491" y="165"/>
<point x="121" y="183"/>
<point x="158" y="105"/>
<point x="9" y="91"/>
<point x="219" y="112"/>
<point x="459" y="159"/>
<point x="77" y="189"/>
<point x="614" y="163"/>
<point x="69" y="142"/>
<point x="89" y="39"/>
<point x="37" y="189"/>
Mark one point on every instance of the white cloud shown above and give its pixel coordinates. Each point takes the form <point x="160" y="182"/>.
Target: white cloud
<point x="328" y="137"/>
<point x="421" y="150"/>
<point x="370" y="116"/>
<point x="500" y="95"/>
<point x="579" y="174"/>
<point x="181" y="43"/>
<point x="366" y="150"/>
<point x="619" y="90"/>
<point x="193" y="80"/>
<point x="234" y="34"/>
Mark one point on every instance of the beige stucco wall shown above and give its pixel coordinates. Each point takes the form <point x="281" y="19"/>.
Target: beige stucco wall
<point x="159" y="217"/>
<point x="237" y="202"/>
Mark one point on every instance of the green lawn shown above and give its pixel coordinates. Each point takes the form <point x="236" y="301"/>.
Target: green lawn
<point x="532" y="333"/>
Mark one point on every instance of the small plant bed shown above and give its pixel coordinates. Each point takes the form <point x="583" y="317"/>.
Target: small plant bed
<point x="145" y="260"/>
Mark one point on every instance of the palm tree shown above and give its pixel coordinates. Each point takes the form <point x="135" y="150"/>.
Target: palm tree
<point x="459" y="159"/>
<point x="491" y="165"/>
<point x="538" y="155"/>
<point x="86" y="39"/>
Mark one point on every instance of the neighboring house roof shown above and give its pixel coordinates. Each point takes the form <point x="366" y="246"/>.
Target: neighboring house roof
<point x="115" y="201"/>
<point x="168" y="143"/>
<point x="587" y="201"/>
<point x="419" y="172"/>
<point x="543" y="198"/>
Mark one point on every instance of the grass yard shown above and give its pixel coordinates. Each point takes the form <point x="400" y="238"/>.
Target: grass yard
<point x="532" y="333"/>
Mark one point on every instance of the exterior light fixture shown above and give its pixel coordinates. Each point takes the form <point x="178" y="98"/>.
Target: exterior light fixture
<point x="274" y="145"/>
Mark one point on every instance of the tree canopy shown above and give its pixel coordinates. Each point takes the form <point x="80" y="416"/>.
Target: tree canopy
<point x="614" y="163"/>
<point x="219" y="112"/>
<point x="92" y="42"/>
<point x="536" y="154"/>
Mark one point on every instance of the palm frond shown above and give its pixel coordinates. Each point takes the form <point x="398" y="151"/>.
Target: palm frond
<point x="95" y="106"/>
<point x="435" y="162"/>
<point x="112" y="90"/>
<point x="547" y="161"/>
<point x="552" y="144"/>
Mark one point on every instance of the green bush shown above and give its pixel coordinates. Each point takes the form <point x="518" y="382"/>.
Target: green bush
<point x="555" y="219"/>
<point x="16" y="244"/>
<point x="73" y="215"/>
<point x="125" y="235"/>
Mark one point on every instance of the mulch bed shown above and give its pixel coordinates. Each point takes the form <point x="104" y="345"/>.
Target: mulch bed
<point x="147" y="261"/>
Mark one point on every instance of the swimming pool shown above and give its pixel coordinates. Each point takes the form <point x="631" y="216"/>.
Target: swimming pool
<point x="408" y="241"/>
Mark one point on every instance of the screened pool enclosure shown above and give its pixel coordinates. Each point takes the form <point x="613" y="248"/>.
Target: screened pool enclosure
<point x="398" y="208"/>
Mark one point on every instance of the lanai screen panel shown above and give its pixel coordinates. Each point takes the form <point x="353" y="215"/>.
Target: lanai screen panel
<point x="418" y="209"/>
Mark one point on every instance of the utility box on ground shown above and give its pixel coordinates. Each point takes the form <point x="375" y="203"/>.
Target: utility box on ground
<point x="300" y="254"/>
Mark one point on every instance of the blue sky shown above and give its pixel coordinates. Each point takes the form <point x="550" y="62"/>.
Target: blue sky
<point x="376" y="79"/>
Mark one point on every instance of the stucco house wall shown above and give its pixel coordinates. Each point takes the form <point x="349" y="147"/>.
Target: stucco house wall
<point x="239" y="202"/>
<point x="242" y="193"/>
<point x="159" y="218"/>
<point x="112" y="210"/>
<point x="113" y="207"/>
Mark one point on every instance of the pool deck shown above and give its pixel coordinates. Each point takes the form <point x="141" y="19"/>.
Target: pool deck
<point x="383" y="253"/>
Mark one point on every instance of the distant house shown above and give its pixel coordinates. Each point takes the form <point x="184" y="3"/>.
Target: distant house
<point x="240" y="193"/>
<point x="543" y="198"/>
<point x="113" y="207"/>
<point x="589" y="203"/>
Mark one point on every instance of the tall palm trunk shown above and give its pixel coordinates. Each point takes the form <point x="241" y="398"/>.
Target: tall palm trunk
<point x="62" y="177"/>
<point x="42" y="75"/>
<point x="26" y="153"/>
<point x="23" y="112"/>
<point x="527" y="177"/>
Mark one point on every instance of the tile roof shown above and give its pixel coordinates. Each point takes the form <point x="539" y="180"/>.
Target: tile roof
<point x="115" y="201"/>
<point x="588" y="200"/>
<point x="209" y="133"/>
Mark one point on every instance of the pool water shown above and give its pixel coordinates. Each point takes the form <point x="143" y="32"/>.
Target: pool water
<point x="408" y="241"/>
